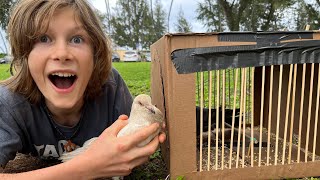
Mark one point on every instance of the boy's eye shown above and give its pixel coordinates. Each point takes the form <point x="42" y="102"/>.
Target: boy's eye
<point x="76" y="40"/>
<point x="44" y="39"/>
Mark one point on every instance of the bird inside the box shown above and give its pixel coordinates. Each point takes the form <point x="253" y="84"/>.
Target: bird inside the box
<point x="142" y="114"/>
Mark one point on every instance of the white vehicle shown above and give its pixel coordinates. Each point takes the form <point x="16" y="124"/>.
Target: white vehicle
<point x="6" y="59"/>
<point x="131" y="56"/>
<point x="148" y="56"/>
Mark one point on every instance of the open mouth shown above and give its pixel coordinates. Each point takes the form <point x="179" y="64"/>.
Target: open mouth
<point x="62" y="80"/>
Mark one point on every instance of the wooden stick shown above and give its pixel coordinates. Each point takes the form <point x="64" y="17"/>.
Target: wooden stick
<point x="261" y="112"/>
<point x="287" y="115"/>
<point x="316" y="118"/>
<point x="309" y="112"/>
<point x="214" y="88"/>
<point x="292" y="110"/>
<point x="233" y="117"/>
<point x="201" y="119"/>
<point x="223" y="115"/>
<point x="301" y="110"/>
<point x="252" y="117"/>
<point x="240" y="118"/>
<point x="244" y="117"/>
<point x="229" y="86"/>
<point x="278" y="115"/>
<point x="209" y="120"/>
<point x="217" y="118"/>
<point x="269" y="117"/>
<point x="198" y="87"/>
<point x="307" y="27"/>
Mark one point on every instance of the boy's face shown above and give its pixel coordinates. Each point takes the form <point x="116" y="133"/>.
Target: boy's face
<point x="61" y="61"/>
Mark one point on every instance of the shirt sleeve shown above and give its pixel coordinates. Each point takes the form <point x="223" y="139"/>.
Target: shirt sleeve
<point x="10" y="141"/>
<point x="123" y="98"/>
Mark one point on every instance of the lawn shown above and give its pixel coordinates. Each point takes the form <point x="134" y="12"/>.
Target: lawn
<point x="4" y="71"/>
<point x="136" y="76"/>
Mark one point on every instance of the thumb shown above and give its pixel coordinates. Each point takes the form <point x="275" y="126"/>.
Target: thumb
<point x="115" y="127"/>
<point x="123" y="117"/>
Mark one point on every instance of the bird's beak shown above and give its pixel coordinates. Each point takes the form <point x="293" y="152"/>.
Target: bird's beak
<point x="150" y="108"/>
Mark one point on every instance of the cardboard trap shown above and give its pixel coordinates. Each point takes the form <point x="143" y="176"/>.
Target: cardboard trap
<point x="257" y="93"/>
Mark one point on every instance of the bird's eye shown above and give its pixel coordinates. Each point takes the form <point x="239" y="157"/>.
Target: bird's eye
<point x="140" y="103"/>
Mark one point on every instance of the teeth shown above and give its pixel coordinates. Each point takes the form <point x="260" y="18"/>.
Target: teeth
<point x="60" y="74"/>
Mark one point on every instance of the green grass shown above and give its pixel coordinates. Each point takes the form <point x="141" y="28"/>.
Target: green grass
<point x="4" y="71"/>
<point x="136" y="76"/>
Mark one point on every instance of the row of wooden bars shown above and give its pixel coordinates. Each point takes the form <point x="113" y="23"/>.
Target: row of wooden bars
<point x="246" y="76"/>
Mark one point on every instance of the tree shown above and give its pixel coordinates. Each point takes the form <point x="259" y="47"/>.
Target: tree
<point x="234" y="12"/>
<point x="104" y="21"/>
<point x="5" y="7"/>
<point x="248" y="15"/>
<point x="133" y="24"/>
<point x="130" y="23"/>
<point x="307" y="14"/>
<point x="182" y="24"/>
<point x="156" y="27"/>
<point x="210" y="13"/>
<point x="159" y="21"/>
<point x="274" y="13"/>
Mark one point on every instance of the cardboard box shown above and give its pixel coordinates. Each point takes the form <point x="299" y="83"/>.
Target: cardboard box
<point x="174" y="94"/>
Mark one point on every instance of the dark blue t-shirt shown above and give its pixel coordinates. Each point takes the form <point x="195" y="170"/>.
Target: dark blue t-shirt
<point x="27" y="128"/>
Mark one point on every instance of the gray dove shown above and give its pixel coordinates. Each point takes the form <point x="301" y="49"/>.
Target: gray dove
<point x="142" y="114"/>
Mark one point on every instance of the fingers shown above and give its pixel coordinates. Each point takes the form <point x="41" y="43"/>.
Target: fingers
<point x="146" y="150"/>
<point x="139" y="161"/>
<point x="115" y="127"/>
<point x="162" y="137"/>
<point x="126" y="169"/>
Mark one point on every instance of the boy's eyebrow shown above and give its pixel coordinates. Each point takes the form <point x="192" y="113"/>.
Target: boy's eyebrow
<point x="78" y="28"/>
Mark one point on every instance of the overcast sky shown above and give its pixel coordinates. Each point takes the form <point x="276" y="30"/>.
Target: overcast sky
<point x="188" y="7"/>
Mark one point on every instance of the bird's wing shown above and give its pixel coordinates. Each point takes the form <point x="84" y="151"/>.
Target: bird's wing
<point x="66" y="156"/>
<point x="130" y="129"/>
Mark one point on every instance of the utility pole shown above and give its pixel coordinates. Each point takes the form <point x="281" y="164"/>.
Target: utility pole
<point x="4" y="42"/>
<point x="169" y="16"/>
<point x="151" y="9"/>
<point x="108" y="15"/>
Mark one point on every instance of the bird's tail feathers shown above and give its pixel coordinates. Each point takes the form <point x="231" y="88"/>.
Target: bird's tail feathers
<point x="66" y="156"/>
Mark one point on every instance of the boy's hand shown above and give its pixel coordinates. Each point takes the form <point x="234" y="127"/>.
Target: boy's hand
<point x="110" y="155"/>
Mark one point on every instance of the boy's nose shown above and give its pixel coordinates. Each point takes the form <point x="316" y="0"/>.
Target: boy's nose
<point x="61" y="51"/>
